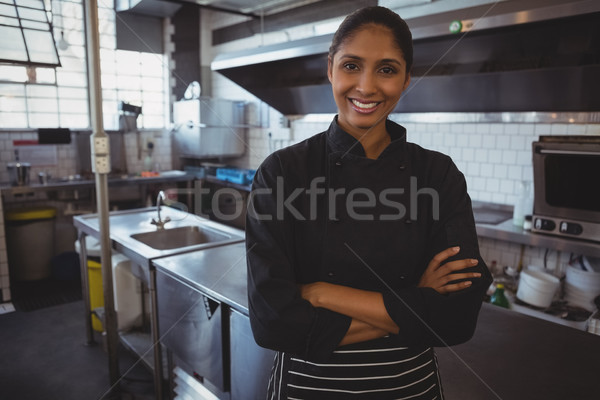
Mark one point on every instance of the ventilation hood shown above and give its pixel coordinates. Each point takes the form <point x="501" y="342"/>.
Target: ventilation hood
<point x="517" y="56"/>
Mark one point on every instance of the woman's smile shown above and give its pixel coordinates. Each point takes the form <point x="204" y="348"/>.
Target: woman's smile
<point x="364" y="106"/>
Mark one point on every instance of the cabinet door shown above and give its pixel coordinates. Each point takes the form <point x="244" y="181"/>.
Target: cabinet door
<point x="190" y="325"/>
<point x="250" y="364"/>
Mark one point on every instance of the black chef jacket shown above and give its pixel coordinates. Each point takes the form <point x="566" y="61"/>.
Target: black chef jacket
<point x="321" y="211"/>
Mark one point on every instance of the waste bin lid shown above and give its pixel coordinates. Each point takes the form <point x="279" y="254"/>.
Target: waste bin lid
<point x="92" y="247"/>
<point x="27" y="214"/>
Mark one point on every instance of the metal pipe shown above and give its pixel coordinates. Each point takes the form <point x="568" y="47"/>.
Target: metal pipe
<point x="95" y="90"/>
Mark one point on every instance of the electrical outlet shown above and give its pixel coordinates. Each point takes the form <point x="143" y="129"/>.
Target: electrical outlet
<point x="100" y="145"/>
<point x="101" y="164"/>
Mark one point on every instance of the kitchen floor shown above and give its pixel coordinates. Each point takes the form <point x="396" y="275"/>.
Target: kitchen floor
<point x="43" y="356"/>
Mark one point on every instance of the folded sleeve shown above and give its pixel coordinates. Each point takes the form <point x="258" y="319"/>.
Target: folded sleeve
<point x="423" y="315"/>
<point x="280" y="318"/>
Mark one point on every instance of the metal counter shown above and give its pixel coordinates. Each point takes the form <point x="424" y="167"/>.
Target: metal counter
<point x="487" y="213"/>
<point x="60" y="184"/>
<point x="219" y="272"/>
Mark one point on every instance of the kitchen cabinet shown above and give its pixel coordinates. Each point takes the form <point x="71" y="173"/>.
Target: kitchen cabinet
<point x="250" y="364"/>
<point x="219" y="275"/>
<point x="191" y="326"/>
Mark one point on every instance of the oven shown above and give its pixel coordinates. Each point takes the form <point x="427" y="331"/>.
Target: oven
<point x="566" y="173"/>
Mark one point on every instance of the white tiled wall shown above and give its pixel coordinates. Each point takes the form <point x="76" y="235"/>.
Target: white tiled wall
<point x="509" y="254"/>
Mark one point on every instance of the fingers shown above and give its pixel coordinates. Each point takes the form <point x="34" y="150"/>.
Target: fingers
<point x="444" y="254"/>
<point x="457" y="277"/>
<point x="455" y="287"/>
<point x="457" y="265"/>
<point x="440" y="257"/>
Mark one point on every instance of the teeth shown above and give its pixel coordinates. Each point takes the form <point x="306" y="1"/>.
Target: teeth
<point x="362" y="105"/>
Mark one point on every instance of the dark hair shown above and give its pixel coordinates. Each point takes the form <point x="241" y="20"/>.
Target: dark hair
<point x="379" y="16"/>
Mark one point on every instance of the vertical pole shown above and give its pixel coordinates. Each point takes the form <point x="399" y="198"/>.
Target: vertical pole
<point x="100" y="152"/>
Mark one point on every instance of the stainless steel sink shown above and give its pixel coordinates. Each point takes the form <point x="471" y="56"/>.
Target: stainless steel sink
<point x="184" y="236"/>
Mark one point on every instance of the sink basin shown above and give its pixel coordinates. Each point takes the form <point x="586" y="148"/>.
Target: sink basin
<point x="184" y="236"/>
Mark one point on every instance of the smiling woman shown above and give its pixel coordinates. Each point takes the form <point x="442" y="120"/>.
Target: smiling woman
<point x="354" y="298"/>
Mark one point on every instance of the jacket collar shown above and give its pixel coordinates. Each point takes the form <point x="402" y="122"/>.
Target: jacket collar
<point x="341" y="141"/>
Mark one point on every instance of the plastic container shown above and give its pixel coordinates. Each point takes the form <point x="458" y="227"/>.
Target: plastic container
<point x="537" y="288"/>
<point x="127" y="293"/>
<point x="96" y="291"/>
<point x="30" y="242"/>
<point x="127" y="290"/>
<point x="95" y="288"/>
<point x="234" y="175"/>
<point x="524" y="204"/>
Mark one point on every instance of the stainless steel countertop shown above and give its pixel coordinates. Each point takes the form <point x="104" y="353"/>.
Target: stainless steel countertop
<point x="508" y="232"/>
<point x="219" y="272"/>
<point x="66" y="184"/>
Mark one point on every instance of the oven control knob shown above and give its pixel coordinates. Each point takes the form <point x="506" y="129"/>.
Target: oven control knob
<point x="570" y="228"/>
<point x="544" y="224"/>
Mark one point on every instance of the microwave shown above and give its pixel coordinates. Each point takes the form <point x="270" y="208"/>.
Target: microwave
<point x="566" y="182"/>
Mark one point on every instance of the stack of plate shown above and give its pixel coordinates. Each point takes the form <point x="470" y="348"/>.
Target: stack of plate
<point x="581" y="287"/>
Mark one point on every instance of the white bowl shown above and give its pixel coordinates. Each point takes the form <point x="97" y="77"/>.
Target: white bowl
<point x="582" y="278"/>
<point x="537" y="288"/>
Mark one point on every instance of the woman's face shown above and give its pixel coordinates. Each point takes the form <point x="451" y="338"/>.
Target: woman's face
<point x="368" y="75"/>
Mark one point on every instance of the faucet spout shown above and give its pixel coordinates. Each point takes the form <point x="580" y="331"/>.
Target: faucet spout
<point x="160" y="224"/>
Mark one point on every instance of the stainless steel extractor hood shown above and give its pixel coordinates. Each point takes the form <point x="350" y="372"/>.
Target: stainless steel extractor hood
<point x="519" y="55"/>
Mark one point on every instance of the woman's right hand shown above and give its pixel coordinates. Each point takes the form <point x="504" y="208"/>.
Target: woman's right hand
<point x="438" y="274"/>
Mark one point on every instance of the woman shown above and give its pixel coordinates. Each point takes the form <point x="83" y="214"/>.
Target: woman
<point x="362" y="250"/>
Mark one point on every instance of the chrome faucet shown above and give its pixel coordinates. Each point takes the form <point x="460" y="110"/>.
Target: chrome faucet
<point x="160" y="224"/>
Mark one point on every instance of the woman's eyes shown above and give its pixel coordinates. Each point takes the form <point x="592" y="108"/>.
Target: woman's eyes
<point x="384" y="70"/>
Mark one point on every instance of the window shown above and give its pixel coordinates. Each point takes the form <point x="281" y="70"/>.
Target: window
<point x="37" y="97"/>
<point x="25" y="33"/>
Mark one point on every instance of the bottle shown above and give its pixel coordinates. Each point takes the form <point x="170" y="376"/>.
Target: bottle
<point x="498" y="298"/>
<point x="524" y="204"/>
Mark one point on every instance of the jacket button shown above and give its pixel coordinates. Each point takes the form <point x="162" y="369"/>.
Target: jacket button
<point x="338" y="163"/>
<point x="408" y="221"/>
<point x="330" y="274"/>
<point x="401" y="276"/>
<point x="402" y="167"/>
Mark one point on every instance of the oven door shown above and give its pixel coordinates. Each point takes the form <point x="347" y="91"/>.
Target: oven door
<point x="567" y="188"/>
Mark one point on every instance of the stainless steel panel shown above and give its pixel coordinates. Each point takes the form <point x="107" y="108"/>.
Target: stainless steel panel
<point x="250" y="364"/>
<point x="208" y="127"/>
<point x="191" y="326"/>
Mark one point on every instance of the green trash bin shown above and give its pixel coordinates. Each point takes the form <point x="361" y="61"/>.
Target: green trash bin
<point x="30" y="242"/>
